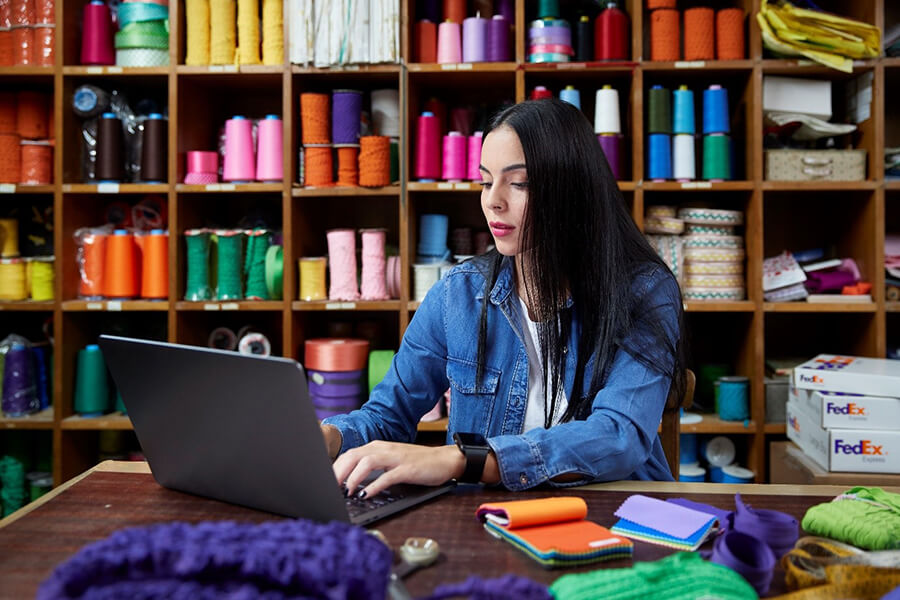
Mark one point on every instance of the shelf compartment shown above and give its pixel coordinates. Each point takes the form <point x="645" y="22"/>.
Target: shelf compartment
<point x="749" y="8"/>
<point x="721" y="338"/>
<point x="380" y="327"/>
<point x="809" y="334"/>
<point x="194" y="327"/>
<point x="39" y="420"/>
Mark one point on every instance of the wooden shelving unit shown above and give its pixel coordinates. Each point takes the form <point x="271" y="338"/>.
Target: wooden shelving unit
<point x="853" y="215"/>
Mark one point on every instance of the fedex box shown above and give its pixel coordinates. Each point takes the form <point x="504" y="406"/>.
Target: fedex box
<point x="839" y="410"/>
<point x="853" y="450"/>
<point x="849" y="374"/>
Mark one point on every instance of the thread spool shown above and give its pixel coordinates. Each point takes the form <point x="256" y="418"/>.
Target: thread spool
<point x="438" y="109"/>
<point x="254" y="344"/>
<point x="733" y="393"/>
<point x="498" y="39"/>
<point x="336" y="393"/>
<point x="342" y="264"/>
<point x="222" y="338"/>
<point x="91" y="259"/>
<point x="19" y="386"/>
<point x="716" y="157"/>
<point x="348" y="166"/>
<point x="41" y="275"/>
<point x="606" y="111"/>
<point x="454" y="157"/>
<point x="540" y="93"/>
<point x="393" y="276"/>
<point x="473" y="156"/>
<point x="229" y="264"/>
<point x="154" y="151"/>
<point x="584" y="39"/>
<point x="659" y="111"/>
<point x="718" y="451"/>
<point x="314" y="115"/>
<point x="275" y="272"/>
<point x="119" y="267"/>
<point x="386" y="112"/>
<point x="428" y="147"/>
<point x="683" y="159"/>
<point x="36" y="166"/>
<point x="730" y="34"/>
<point x="89" y="101"/>
<point x="571" y="95"/>
<point x="197" y="26"/>
<point x="433" y="237"/>
<point x="374" y="161"/>
<point x="202" y="167"/>
<point x="688" y="448"/>
<point x="248" y="32"/>
<point x="318" y="166"/>
<point x="8" y="117"/>
<point x="426" y="42"/>
<point x="333" y="355"/>
<point x="461" y="241"/>
<point x="221" y="32"/>
<point x="659" y="157"/>
<point x="312" y="278"/>
<point x="31" y="115"/>
<point x="97" y="35"/>
<point x="13" y="278"/>
<point x="374" y="283"/>
<point x="346" y="111"/>
<point x="269" y="156"/>
<point x="424" y="277"/>
<point x="548" y="9"/>
<point x="611" y="34"/>
<point x="239" y="164"/>
<point x="699" y="33"/>
<point x="611" y="145"/>
<point x="736" y="474"/>
<point x="91" y="386"/>
<point x="683" y="111"/>
<point x="691" y="473"/>
<point x="45" y="45"/>
<point x="9" y="238"/>
<point x="455" y="10"/>
<point x="197" y="285"/>
<point x="10" y="158"/>
<point x="449" y="46"/>
<point x="715" y="110"/>
<point x="23" y="45"/>
<point x="273" y="32"/>
<point x="664" y="34"/>
<point x="110" y="149"/>
<point x="474" y="39"/>
<point x="155" y="265"/>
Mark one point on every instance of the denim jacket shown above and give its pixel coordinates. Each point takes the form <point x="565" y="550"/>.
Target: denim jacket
<point x="617" y="440"/>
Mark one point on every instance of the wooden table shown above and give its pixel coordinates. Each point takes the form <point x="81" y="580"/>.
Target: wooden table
<point x="114" y="495"/>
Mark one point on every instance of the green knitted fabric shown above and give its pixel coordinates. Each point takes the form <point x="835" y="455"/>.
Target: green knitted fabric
<point x="681" y="576"/>
<point x="867" y="518"/>
<point x="13" y="494"/>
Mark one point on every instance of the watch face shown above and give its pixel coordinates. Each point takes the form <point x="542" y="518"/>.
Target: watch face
<point x="470" y="439"/>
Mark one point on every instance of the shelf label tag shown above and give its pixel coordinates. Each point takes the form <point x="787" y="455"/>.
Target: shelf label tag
<point x="227" y="187"/>
<point x="577" y="65"/>
<point x="216" y="68"/>
<point x="67" y="187"/>
<point x="448" y="67"/>
<point x="7" y="188"/>
<point x="464" y="67"/>
<point x="690" y="64"/>
<point x="229" y="68"/>
<point x="107" y="188"/>
<point x="463" y="186"/>
<point x="113" y="69"/>
<point x="696" y="185"/>
<point x="334" y="306"/>
<point x="94" y="306"/>
<point x="114" y="305"/>
<point x="445" y="186"/>
<point x="213" y="187"/>
<point x="94" y="70"/>
<point x="210" y="307"/>
<point x="230" y="306"/>
<point x="348" y="305"/>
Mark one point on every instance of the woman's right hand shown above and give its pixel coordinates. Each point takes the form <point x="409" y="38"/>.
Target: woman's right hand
<point x="333" y="439"/>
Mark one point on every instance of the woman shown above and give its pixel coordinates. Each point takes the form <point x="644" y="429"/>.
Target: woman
<point x="559" y="346"/>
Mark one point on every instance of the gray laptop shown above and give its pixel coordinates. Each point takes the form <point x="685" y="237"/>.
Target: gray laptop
<point x="237" y="428"/>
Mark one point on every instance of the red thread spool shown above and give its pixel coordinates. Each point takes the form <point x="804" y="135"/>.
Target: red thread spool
<point x="119" y="267"/>
<point x="438" y="109"/>
<point x="336" y="354"/>
<point x="10" y="158"/>
<point x="37" y="163"/>
<point x="540" y="93"/>
<point x="730" y="34"/>
<point x="7" y="56"/>
<point x="155" y="269"/>
<point x="426" y="42"/>
<point x="664" y="34"/>
<point x="93" y="257"/>
<point x="699" y="33"/>
<point x="611" y="34"/>
<point x="31" y="115"/>
<point x="428" y="147"/>
<point x="23" y="45"/>
<point x="455" y="10"/>
<point x="654" y="4"/>
<point x="348" y="165"/>
<point x="97" y="35"/>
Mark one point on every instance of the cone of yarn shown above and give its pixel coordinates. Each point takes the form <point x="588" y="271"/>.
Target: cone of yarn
<point x="730" y="34"/>
<point x="314" y="118"/>
<point x="121" y="277"/>
<point x="348" y="166"/>
<point x="449" y="47"/>
<point x="374" y="161"/>
<point x="155" y="269"/>
<point x="222" y="32"/>
<point x="453" y="166"/>
<point x="317" y="165"/>
<point x="36" y="163"/>
<point x="455" y="10"/>
<point x="239" y="162"/>
<point x="92" y="253"/>
<point x="654" y="4"/>
<point x="473" y="157"/>
<point x="426" y="42"/>
<point x="197" y="22"/>
<point x="374" y="284"/>
<point x="699" y="33"/>
<point x="270" y="149"/>
<point x="664" y="34"/>
<point x="31" y="115"/>
<point x="97" y="35"/>
<point x="342" y="264"/>
<point x="91" y="385"/>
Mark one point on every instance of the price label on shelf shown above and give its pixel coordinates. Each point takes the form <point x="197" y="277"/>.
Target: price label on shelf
<point x="107" y="188"/>
<point x="114" y="305"/>
<point x="229" y="68"/>
<point x="7" y="188"/>
<point x="690" y="64"/>
<point x="213" y="187"/>
<point x="227" y="187"/>
<point x="94" y="70"/>
<point x="575" y="65"/>
<point x="463" y="186"/>
<point x="464" y="67"/>
<point x="210" y="306"/>
<point x="696" y="185"/>
<point x="445" y="186"/>
<point x="113" y="70"/>
<point x="448" y="67"/>
<point x="340" y="306"/>
<point x="230" y="306"/>
<point x="216" y="68"/>
<point x="94" y="306"/>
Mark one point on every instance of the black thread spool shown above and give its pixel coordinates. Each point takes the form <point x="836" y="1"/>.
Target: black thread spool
<point x="584" y="40"/>
<point x="153" y="154"/>
<point x="110" y="153"/>
<point x="89" y="101"/>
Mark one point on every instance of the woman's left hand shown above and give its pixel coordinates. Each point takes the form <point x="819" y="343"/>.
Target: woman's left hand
<point x="401" y="463"/>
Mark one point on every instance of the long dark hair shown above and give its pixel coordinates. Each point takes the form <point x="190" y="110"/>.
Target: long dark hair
<point x="580" y="242"/>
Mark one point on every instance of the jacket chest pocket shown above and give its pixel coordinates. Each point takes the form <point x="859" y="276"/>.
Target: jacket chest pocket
<point x="470" y="404"/>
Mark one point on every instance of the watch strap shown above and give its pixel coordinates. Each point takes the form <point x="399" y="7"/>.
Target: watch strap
<point x="476" y="456"/>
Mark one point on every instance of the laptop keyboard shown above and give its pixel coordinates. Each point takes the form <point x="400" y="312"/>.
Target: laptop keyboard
<point x="356" y="506"/>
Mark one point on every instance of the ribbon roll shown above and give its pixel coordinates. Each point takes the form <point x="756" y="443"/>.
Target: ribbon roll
<point x="743" y="553"/>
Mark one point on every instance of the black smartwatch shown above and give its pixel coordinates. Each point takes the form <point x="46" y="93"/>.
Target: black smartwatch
<point x="475" y="448"/>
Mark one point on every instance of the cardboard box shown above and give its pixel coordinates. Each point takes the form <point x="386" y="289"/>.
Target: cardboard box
<point x="788" y="464"/>
<point x="854" y="450"/>
<point x="796" y="95"/>
<point x="849" y="374"/>
<point x="815" y="165"/>
<point x="837" y="410"/>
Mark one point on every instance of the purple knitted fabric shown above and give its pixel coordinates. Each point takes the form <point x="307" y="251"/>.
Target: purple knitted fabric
<point x="273" y="560"/>
<point x="501" y="588"/>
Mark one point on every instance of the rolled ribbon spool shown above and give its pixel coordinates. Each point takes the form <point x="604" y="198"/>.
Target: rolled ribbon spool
<point x="606" y="111"/>
<point x="348" y="166"/>
<point x="9" y="238"/>
<point x="269" y="156"/>
<point x="254" y="344"/>
<point x="202" y="167"/>
<point x="374" y="282"/>
<point x="393" y="276"/>
<point x="449" y="46"/>
<point x="8" y="112"/>
<point x="91" y="259"/>
<point x="312" y="278"/>
<point x="13" y="278"/>
<point x="454" y="157"/>
<point x="155" y="267"/>
<point x="110" y="149"/>
<point x="733" y="398"/>
<point x="498" y="47"/>
<point x="736" y="474"/>
<point x="743" y="553"/>
<point x="91" y="387"/>
<point x="715" y="110"/>
<point x="428" y="147"/>
<point x="611" y="34"/>
<point x="473" y="156"/>
<point x="374" y="161"/>
<point x="238" y="165"/>
<point x="342" y="264"/>
<point x="688" y="448"/>
<point x="424" y="277"/>
<point x="718" y="451"/>
<point x="699" y="33"/>
<point x="154" y="149"/>
<point x="41" y="275"/>
<point x="31" y="115"/>
<point x="661" y="210"/>
<point x="664" y="34"/>
<point x="97" y="35"/>
<point x="691" y="473"/>
<point x="659" y="157"/>
<point x="314" y="118"/>
<point x="334" y="393"/>
<point x="45" y="45"/>
<point x="345" y="112"/>
<point x="426" y="42"/>
<point x="317" y="166"/>
<point x="222" y="338"/>
<point x="611" y="145"/>
<point x="10" y="158"/>
<point x="197" y="26"/>
<point x="540" y="92"/>
<point x="120" y="267"/>
<point x="275" y="272"/>
<point x="716" y="157"/>
<point x="730" y="34"/>
<point x="474" y="39"/>
<point x="379" y="364"/>
<point x="571" y="95"/>
<point x="433" y="236"/>
<point x="197" y="284"/>
<point x="335" y="354"/>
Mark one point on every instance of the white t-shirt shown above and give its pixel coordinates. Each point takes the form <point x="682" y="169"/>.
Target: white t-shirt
<point x="534" y="411"/>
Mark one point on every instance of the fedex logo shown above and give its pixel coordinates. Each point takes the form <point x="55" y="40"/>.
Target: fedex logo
<point x="811" y="379"/>
<point x="794" y="424"/>
<point x="863" y="447"/>
<point x="847" y="409"/>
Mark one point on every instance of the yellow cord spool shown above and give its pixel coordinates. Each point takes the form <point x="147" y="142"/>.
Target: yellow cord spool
<point x="273" y="32"/>
<point x="13" y="284"/>
<point x="221" y="32"/>
<point x="197" y="16"/>
<point x="312" y="278"/>
<point x="248" y="32"/>
<point x="9" y="238"/>
<point x="41" y="278"/>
